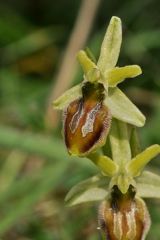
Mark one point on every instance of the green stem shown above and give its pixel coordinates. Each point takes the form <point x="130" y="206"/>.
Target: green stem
<point x="134" y="142"/>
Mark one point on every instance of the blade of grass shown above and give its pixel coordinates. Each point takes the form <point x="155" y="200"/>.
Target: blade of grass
<point x="46" y="146"/>
<point x="24" y="206"/>
<point x="10" y="169"/>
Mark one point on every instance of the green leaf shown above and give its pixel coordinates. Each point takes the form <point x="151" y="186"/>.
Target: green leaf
<point x="148" y="185"/>
<point x="10" y="169"/>
<point x="27" y="195"/>
<point x="67" y="97"/>
<point x="122" y="108"/>
<point x="111" y="45"/>
<point x="92" y="189"/>
<point x="35" y="144"/>
<point x="139" y="162"/>
<point x="119" y="74"/>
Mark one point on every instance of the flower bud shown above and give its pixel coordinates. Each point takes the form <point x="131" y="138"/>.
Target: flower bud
<point x="124" y="216"/>
<point x="86" y="121"/>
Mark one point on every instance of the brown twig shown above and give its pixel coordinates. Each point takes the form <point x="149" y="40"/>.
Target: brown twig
<point x="68" y="66"/>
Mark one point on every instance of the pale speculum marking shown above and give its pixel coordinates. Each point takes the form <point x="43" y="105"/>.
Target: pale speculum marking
<point x="76" y="118"/>
<point x="130" y="216"/>
<point x="117" y="222"/>
<point x="90" y="119"/>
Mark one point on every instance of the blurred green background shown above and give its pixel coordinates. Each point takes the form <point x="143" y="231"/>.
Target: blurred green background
<point x="38" y="44"/>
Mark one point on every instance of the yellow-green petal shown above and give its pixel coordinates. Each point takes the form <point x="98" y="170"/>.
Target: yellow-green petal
<point x="105" y="163"/>
<point x="67" y="97"/>
<point x="86" y="63"/>
<point x="138" y="163"/>
<point x="111" y="45"/>
<point x="122" y="108"/>
<point x="119" y="74"/>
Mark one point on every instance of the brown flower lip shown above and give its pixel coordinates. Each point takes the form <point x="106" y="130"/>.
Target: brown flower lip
<point x="124" y="216"/>
<point x="86" y="121"/>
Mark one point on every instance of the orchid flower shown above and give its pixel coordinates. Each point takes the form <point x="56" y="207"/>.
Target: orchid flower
<point x="89" y="106"/>
<point x="98" y="114"/>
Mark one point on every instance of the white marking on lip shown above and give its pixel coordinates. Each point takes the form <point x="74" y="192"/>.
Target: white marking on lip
<point x="130" y="216"/>
<point x="90" y="119"/>
<point x="76" y="118"/>
<point x="117" y="222"/>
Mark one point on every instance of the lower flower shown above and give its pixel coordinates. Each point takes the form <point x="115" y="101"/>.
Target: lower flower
<point x="124" y="216"/>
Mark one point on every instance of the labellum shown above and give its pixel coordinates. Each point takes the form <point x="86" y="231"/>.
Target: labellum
<point x="124" y="216"/>
<point x="87" y="120"/>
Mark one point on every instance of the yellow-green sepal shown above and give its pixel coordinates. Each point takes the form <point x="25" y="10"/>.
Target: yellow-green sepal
<point x="148" y="185"/>
<point x="122" y="108"/>
<point x="90" y="190"/>
<point x="86" y="63"/>
<point x="111" y="45"/>
<point x="67" y="97"/>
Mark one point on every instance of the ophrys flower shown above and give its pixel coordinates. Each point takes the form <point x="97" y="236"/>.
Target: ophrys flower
<point x="89" y="106"/>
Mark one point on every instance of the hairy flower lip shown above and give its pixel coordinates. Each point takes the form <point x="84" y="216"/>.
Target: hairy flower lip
<point x="88" y="130"/>
<point x="86" y="121"/>
<point x="124" y="216"/>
